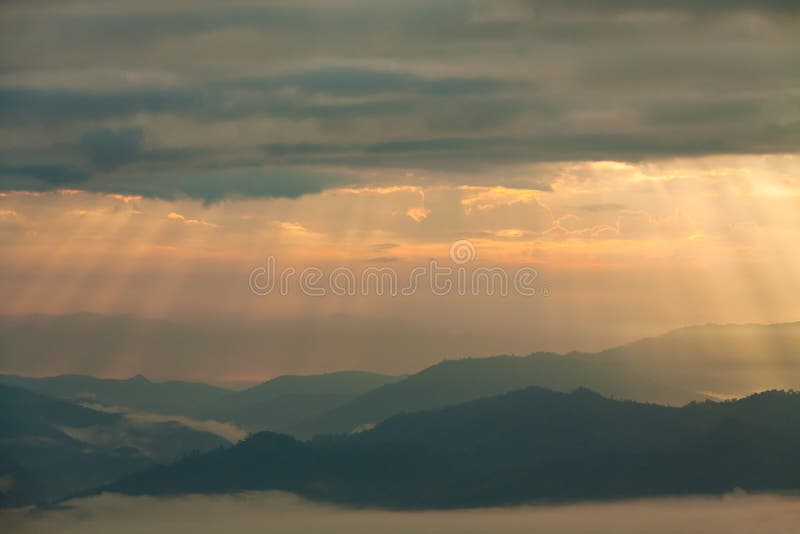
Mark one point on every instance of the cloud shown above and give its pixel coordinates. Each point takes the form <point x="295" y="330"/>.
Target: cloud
<point x="601" y="207"/>
<point x="383" y="259"/>
<point x="351" y="81"/>
<point x="189" y="220"/>
<point x="703" y="111"/>
<point x="249" y="512"/>
<point x="288" y="94"/>
<point x="774" y="7"/>
<point x="48" y="176"/>
<point x="208" y="186"/>
<point x="464" y="153"/>
<point x="418" y="213"/>
<point x="291" y="226"/>
<point x="229" y="431"/>
<point x="507" y="233"/>
<point x="50" y="106"/>
<point x="140" y="98"/>
<point x="108" y="149"/>
<point x="482" y="199"/>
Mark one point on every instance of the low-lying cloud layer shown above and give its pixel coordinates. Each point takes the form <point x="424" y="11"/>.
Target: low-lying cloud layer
<point x="133" y="418"/>
<point x="275" y="512"/>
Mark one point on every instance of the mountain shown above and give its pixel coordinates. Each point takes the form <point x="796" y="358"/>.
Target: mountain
<point x="681" y="366"/>
<point x="719" y="359"/>
<point x="51" y="448"/>
<point x="687" y="364"/>
<point x="531" y="444"/>
<point x="279" y="403"/>
<point x="455" y="381"/>
<point x="27" y="413"/>
<point x="137" y="393"/>
<point x="85" y="343"/>
<point x="273" y="405"/>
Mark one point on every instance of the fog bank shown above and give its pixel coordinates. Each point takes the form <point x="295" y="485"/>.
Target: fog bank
<point x="278" y="512"/>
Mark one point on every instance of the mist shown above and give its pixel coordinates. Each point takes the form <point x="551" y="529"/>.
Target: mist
<point x="229" y="431"/>
<point x="285" y="513"/>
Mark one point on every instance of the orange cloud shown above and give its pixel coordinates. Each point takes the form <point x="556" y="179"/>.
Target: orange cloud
<point x="381" y="190"/>
<point x="487" y="198"/>
<point x="418" y="213"/>
<point x="507" y="233"/>
<point x="125" y="198"/>
<point x="291" y="226"/>
<point x="188" y="220"/>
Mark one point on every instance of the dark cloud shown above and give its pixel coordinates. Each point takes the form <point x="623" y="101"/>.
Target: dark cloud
<point x="470" y="87"/>
<point x="349" y="81"/>
<point x="213" y="186"/>
<point x="693" y="112"/>
<point x="109" y="149"/>
<point x="47" y="176"/>
<point x="457" y="152"/>
<point x="48" y="106"/>
<point x="257" y="96"/>
<point x="208" y="186"/>
<point x="777" y="7"/>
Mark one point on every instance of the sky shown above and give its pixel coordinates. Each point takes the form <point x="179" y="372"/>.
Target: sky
<point x="639" y="159"/>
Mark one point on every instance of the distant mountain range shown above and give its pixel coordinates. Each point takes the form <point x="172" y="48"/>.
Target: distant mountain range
<point x="137" y="393"/>
<point x="684" y="365"/>
<point x="688" y="358"/>
<point x="51" y="448"/>
<point x="459" y="433"/>
<point x="276" y="404"/>
<point x="532" y="444"/>
<point x="279" y="403"/>
<point x="455" y="381"/>
<point x="727" y="360"/>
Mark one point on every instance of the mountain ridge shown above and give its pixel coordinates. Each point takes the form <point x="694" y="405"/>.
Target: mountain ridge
<point x="529" y="444"/>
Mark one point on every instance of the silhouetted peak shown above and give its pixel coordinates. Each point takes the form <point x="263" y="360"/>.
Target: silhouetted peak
<point x="774" y="395"/>
<point x="586" y="393"/>
<point x="139" y="379"/>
